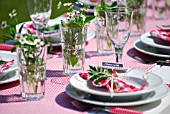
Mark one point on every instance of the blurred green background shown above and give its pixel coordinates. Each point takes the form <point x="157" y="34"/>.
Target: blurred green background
<point x="6" y="6"/>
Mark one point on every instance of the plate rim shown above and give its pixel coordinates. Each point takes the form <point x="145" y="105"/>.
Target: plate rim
<point x="149" y="53"/>
<point x="143" y="36"/>
<point x="12" y="79"/>
<point x="127" y="104"/>
<point x="118" y="94"/>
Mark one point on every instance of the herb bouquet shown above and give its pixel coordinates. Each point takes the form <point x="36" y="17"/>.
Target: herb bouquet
<point x="74" y="35"/>
<point x="31" y="55"/>
<point x="104" y="44"/>
<point x="139" y="16"/>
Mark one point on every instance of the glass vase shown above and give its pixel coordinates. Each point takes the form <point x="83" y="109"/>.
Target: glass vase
<point x="73" y="49"/>
<point x="104" y="44"/>
<point x="139" y="16"/>
<point x="32" y="70"/>
<point x="160" y="9"/>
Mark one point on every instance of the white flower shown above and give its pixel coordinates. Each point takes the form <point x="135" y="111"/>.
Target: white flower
<point x="68" y="18"/>
<point x="71" y="14"/>
<point x="79" y="3"/>
<point x="83" y="9"/>
<point x="59" y="5"/>
<point x="39" y="43"/>
<point x="30" y="42"/>
<point x="83" y="17"/>
<point x="13" y="13"/>
<point x="67" y="4"/>
<point x="77" y="12"/>
<point x="3" y="24"/>
<point x="18" y="37"/>
<point x="22" y="40"/>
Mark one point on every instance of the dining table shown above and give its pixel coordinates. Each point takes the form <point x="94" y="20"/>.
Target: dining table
<point x="56" y="100"/>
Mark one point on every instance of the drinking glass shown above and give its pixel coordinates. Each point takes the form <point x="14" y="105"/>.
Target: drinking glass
<point x="118" y="24"/>
<point x="40" y="12"/>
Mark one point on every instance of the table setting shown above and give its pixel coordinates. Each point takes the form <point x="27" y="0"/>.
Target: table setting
<point x="77" y="78"/>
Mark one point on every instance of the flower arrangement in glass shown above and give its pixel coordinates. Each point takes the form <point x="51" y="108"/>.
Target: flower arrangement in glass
<point x="74" y="33"/>
<point x="31" y="55"/>
<point x="160" y="9"/>
<point x="139" y="16"/>
<point x="104" y="44"/>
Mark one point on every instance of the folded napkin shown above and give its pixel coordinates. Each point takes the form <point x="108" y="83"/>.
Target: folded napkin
<point x="161" y="34"/>
<point x="6" y="47"/>
<point x="48" y="30"/>
<point x="31" y="28"/>
<point x="5" y="65"/>
<point x="95" y="0"/>
<point x="119" y="86"/>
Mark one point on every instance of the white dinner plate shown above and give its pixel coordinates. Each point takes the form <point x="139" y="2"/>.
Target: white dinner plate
<point x="88" y="2"/>
<point x="154" y="42"/>
<point x="154" y="81"/>
<point x="159" y="93"/>
<point x="10" y="77"/>
<point x="8" y="56"/>
<point x="149" y="50"/>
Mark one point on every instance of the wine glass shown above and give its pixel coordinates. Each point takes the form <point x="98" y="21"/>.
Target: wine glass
<point x="118" y="24"/>
<point x="40" y="12"/>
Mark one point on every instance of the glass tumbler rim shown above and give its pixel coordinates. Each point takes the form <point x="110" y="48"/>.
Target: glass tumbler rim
<point x="121" y="10"/>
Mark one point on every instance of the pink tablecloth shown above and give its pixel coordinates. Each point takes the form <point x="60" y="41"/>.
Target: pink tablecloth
<point x="56" y="100"/>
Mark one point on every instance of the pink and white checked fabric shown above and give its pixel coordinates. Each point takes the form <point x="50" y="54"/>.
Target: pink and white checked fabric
<point x="161" y="34"/>
<point x="119" y="86"/>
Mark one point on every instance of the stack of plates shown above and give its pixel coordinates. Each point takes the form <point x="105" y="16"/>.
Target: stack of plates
<point x="82" y="90"/>
<point x="153" y="46"/>
<point x="10" y="74"/>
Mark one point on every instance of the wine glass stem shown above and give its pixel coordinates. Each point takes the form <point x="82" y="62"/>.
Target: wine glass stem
<point x="119" y="56"/>
<point x="40" y="33"/>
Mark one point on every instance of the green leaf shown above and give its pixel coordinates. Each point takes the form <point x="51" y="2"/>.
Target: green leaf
<point x="102" y="78"/>
<point x="7" y="37"/>
<point x="73" y="59"/>
<point x="93" y="68"/>
<point x="51" y="47"/>
<point x="14" y="49"/>
<point x="89" y="19"/>
<point x="63" y="23"/>
<point x="2" y="62"/>
<point x="73" y="24"/>
<point x="102" y="2"/>
<point x="54" y="27"/>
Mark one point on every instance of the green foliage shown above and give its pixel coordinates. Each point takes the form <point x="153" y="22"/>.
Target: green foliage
<point x="1" y="62"/>
<point x="74" y="34"/>
<point x="99" y="73"/>
<point x="54" y="27"/>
